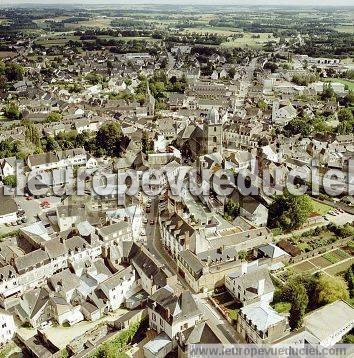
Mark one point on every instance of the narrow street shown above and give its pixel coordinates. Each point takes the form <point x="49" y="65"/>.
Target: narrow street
<point x="224" y="330"/>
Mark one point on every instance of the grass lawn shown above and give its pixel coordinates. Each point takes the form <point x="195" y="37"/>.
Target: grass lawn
<point x="282" y="307"/>
<point x="320" y="208"/>
<point x="348" y="83"/>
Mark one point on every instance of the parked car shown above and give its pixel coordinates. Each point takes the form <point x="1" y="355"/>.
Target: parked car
<point x="152" y="222"/>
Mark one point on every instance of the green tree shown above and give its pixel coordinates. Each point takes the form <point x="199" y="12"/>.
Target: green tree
<point x="345" y="127"/>
<point x="328" y="92"/>
<point x="54" y="117"/>
<point x="10" y="180"/>
<point x="11" y="111"/>
<point x="298" y="126"/>
<point x="262" y="105"/>
<point x="242" y="255"/>
<point x="299" y="302"/>
<point x="14" y="72"/>
<point x="345" y="114"/>
<point x="349" y="277"/>
<point x="32" y="134"/>
<point x="51" y="144"/>
<point x="330" y="289"/>
<point x="94" y="78"/>
<point x="2" y="68"/>
<point x="146" y="144"/>
<point x="289" y="211"/>
<point x="231" y="72"/>
<point x="108" y="138"/>
<point x="232" y="208"/>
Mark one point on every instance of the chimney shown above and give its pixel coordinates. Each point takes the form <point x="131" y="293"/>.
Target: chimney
<point x="261" y="284"/>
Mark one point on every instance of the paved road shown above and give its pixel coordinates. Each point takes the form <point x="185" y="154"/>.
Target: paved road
<point x="222" y="328"/>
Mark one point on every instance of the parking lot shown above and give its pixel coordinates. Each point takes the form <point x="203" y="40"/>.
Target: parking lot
<point x="32" y="208"/>
<point x="339" y="217"/>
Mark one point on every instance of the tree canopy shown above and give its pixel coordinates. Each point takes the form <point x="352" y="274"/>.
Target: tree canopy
<point x="289" y="211"/>
<point x="330" y="289"/>
<point x="108" y="139"/>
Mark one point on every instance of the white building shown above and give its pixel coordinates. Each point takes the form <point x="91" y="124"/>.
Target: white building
<point x="119" y="287"/>
<point x="170" y="313"/>
<point x="330" y="323"/>
<point x="250" y="284"/>
<point x="56" y="160"/>
<point x="7" y="327"/>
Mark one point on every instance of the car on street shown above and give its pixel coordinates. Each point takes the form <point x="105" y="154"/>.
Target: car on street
<point x="152" y="221"/>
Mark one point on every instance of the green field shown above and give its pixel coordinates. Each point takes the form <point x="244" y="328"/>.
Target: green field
<point x="222" y="31"/>
<point x="320" y="208"/>
<point x="345" y="28"/>
<point x="348" y="83"/>
<point x="249" y="41"/>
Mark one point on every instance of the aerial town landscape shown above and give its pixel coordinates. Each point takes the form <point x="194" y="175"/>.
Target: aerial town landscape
<point x="173" y="176"/>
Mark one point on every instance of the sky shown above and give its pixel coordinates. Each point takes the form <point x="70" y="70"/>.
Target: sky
<point x="317" y="3"/>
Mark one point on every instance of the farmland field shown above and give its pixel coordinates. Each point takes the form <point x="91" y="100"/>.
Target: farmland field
<point x="345" y="28"/>
<point x="341" y="267"/>
<point x="303" y="267"/>
<point x="320" y="262"/>
<point x="213" y="30"/>
<point x="248" y="40"/>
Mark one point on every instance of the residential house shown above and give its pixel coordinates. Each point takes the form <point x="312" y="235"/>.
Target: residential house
<point x="7" y="167"/>
<point x="254" y="211"/>
<point x="117" y="288"/>
<point x="201" y="333"/>
<point x="153" y="275"/>
<point x="7" y="327"/>
<point x="56" y="160"/>
<point x="176" y="233"/>
<point x="259" y="323"/>
<point x="172" y="313"/>
<point x="250" y="283"/>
